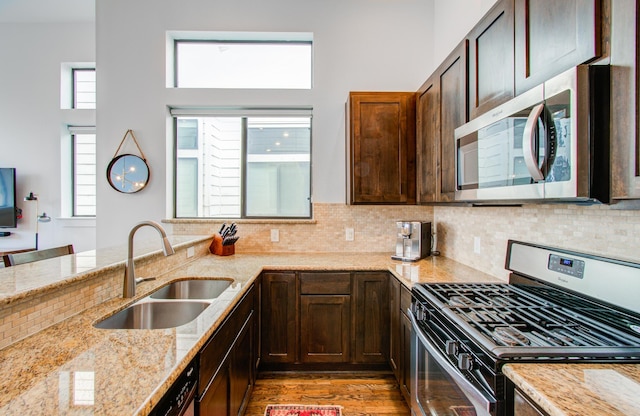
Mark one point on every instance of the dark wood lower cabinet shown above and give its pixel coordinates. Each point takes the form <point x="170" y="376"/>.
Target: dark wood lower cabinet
<point x="371" y="317"/>
<point x="279" y="317"/>
<point x="324" y="328"/>
<point x="400" y="334"/>
<point x="215" y="400"/>
<point x="227" y="366"/>
<point x="404" y="378"/>
<point x="313" y="318"/>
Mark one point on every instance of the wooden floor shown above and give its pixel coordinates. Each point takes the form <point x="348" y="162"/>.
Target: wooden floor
<point x="359" y="394"/>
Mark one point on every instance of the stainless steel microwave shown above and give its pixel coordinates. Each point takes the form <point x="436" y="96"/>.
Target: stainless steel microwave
<point x="550" y="143"/>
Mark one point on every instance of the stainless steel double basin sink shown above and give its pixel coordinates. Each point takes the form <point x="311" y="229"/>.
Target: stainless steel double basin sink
<point x="175" y="304"/>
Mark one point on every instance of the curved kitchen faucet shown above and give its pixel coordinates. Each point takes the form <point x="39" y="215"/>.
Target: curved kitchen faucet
<point x="130" y="280"/>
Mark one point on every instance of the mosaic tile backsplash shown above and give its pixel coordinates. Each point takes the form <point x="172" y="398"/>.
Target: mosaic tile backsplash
<point x="598" y="229"/>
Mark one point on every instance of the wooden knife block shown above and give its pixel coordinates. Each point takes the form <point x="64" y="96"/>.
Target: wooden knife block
<point x="217" y="248"/>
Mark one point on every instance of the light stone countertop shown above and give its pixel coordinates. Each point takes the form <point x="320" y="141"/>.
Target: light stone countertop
<point x="580" y="389"/>
<point x="28" y="280"/>
<point x="74" y="368"/>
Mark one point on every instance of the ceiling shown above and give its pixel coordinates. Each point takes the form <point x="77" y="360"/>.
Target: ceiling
<point x="47" y="11"/>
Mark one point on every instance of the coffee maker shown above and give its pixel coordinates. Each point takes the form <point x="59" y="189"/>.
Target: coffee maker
<point x="413" y="240"/>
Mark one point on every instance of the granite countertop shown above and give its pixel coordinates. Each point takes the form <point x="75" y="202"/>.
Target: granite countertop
<point x="72" y="367"/>
<point x="579" y="389"/>
<point x="30" y="279"/>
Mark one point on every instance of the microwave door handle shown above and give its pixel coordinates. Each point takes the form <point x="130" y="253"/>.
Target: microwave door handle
<point x="529" y="148"/>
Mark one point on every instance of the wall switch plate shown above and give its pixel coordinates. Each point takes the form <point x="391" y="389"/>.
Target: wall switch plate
<point x="275" y="235"/>
<point x="476" y="245"/>
<point x="191" y="252"/>
<point x="349" y="234"/>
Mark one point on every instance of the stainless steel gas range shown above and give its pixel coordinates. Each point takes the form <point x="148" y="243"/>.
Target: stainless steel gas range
<point x="559" y="306"/>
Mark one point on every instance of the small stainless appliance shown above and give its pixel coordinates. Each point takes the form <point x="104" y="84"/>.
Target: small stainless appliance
<point x="549" y="143"/>
<point x="413" y="240"/>
<point x="559" y="306"/>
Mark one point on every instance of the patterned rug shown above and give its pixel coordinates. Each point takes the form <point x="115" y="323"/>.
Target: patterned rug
<point x="302" y="410"/>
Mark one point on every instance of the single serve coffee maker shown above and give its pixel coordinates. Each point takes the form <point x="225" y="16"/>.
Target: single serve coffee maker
<point x="413" y="240"/>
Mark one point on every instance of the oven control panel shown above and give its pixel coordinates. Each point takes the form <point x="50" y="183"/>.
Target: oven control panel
<point x="566" y="265"/>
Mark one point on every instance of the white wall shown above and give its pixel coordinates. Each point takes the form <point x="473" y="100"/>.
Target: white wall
<point x="31" y="124"/>
<point x="454" y="19"/>
<point x="358" y="45"/>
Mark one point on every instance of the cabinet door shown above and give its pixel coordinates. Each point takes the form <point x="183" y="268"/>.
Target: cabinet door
<point x="215" y="400"/>
<point x="428" y="127"/>
<point x="324" y="328"/>
<point x="371" y="317"/>
<point x="405" y="368"/>
<point x="241" y="369"/>
<point x="382" y="147"/>
<point x="552" y="36"/>
<point x="279" y="312"/>
<point x="453" y="114"/>
<point x="443" y="108"/>
<point x="491" y="59"/>
<point x="625" y="95"/>
<point x="394" y="326"/>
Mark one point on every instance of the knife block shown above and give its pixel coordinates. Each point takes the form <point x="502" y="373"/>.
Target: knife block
<point x="217" y="248"/>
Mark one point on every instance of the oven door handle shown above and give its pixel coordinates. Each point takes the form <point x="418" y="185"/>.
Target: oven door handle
<point x="479" y="401"/>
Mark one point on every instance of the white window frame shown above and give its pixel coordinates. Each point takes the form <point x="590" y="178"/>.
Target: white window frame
<point x="242" y="112"/>
<point x="69" y="208"/>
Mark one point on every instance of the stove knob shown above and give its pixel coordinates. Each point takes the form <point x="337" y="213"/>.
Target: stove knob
<point x="451" y="347"/>
<point x="420" y="312"/>
<point x="465" y="362"/>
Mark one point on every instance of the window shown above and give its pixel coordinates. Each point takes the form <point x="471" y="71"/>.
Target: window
<point x="83" y="171"/>
<point x="84" y="88"/>
<point x="243" y="166"/>
<point x="243" y="64"/>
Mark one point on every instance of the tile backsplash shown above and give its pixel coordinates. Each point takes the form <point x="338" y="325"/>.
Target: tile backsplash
<point x="373" y="226"/>
<point x="595" y="229"/>
<point x="598" y="229"/>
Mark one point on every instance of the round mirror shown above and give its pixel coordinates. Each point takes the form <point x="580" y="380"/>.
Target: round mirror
<point x="128" y="173"/>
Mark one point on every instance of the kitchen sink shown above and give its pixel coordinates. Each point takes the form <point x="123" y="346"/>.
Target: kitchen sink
<point x="154" y="315"/>
<point x="192" y="289"/>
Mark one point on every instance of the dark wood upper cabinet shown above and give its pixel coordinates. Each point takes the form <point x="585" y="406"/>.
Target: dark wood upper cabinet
<point x="381" y="148"/>
<point x="442" y="107"/>
<point x="625" y="107"/>
<point x="553" y="36"/>
<point x="491" y="58"/>
<point x="428" y="128"/>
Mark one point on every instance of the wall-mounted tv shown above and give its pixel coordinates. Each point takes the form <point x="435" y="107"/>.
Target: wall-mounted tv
<point x="8" y="198"/>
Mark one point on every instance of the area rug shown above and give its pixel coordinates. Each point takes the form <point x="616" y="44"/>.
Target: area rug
<point x="302" y="410"/>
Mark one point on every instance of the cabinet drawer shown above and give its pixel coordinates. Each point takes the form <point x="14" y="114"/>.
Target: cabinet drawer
<point x="325" y="283"/>
<point x="405" y="299"/>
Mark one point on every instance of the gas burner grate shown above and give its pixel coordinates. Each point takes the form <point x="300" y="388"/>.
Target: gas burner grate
<point x="513" y="315"/>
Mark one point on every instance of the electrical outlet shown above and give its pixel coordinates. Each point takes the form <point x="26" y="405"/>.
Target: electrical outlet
<point x="275" y="235"/>
<point x="191" y="252"/>
<point x="476" y="245"/>
<point x="349" y="234"/>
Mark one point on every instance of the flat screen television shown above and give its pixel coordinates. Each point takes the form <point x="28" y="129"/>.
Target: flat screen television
<point x="8" y="198"/>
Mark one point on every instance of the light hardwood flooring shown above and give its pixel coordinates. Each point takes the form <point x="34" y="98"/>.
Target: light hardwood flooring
<point x="359" y="394"/>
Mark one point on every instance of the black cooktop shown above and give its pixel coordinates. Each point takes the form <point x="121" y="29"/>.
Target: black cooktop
<point x="520" y="320"/>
